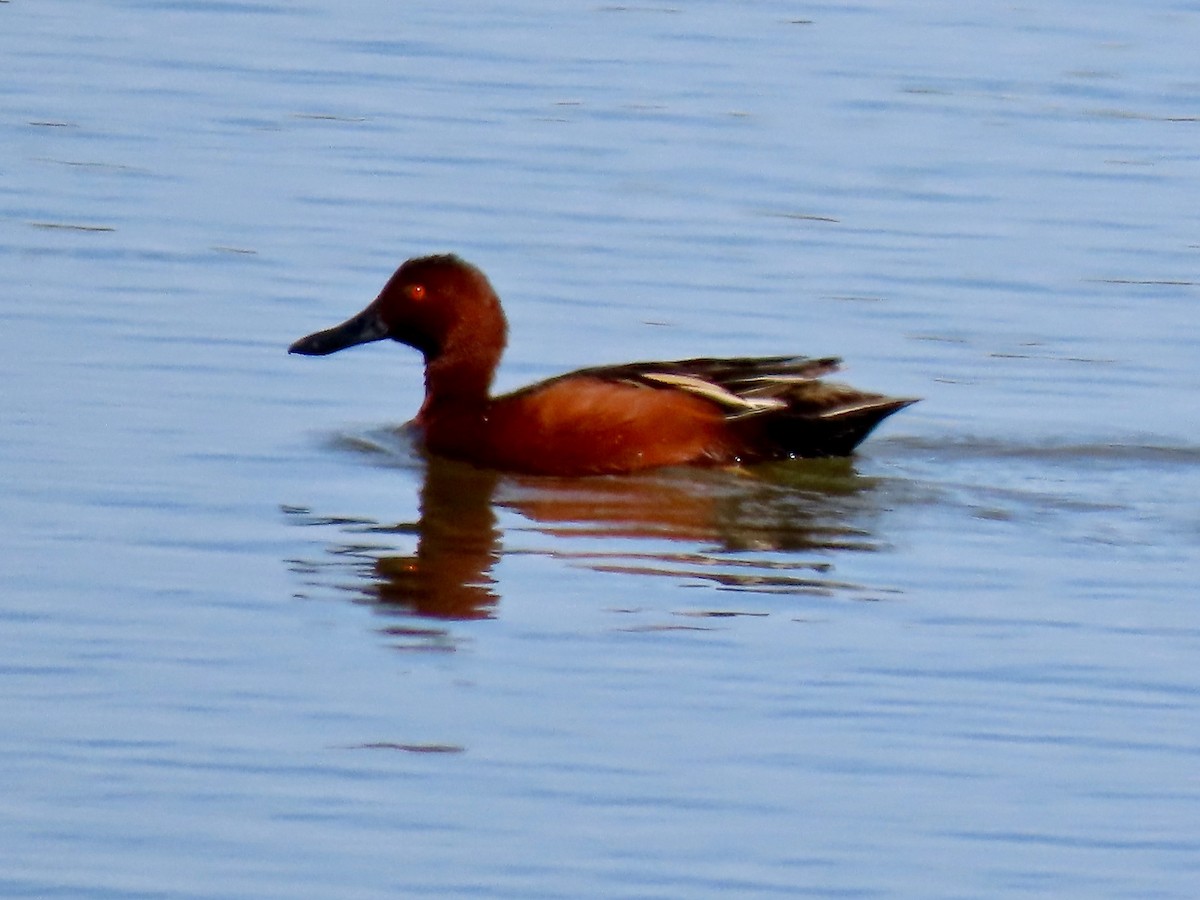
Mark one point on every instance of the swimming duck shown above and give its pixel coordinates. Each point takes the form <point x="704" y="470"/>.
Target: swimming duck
<point x="602" y="420"/>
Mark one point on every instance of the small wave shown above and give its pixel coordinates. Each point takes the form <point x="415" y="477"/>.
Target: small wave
<point x="1114" y="451"/>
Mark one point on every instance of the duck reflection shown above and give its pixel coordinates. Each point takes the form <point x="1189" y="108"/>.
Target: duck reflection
<point x="458" y="542"/>
<point x="772" y="530"/>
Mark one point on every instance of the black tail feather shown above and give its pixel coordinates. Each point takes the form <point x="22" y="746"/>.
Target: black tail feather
<point x="834" y="433"/>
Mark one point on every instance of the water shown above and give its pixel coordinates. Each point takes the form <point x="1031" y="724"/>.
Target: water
<point x="253" y="645"/>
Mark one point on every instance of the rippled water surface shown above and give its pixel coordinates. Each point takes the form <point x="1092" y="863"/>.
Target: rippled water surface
<point x="253" y="644"/>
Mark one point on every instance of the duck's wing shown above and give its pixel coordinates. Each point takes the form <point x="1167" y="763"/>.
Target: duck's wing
<point x="779" y="404"/>
<point x="743" y="386"/>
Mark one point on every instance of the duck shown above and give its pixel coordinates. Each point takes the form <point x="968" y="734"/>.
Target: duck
<point x="603" y="420"/>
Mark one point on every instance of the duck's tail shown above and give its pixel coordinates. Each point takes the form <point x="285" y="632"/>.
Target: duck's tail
<point x="813" y="430"/>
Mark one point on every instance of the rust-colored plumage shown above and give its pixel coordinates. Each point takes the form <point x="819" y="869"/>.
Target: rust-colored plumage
<point x="602" y="420"/>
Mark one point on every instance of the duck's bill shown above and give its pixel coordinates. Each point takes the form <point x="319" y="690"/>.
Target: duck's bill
<point x="363" y="328"/>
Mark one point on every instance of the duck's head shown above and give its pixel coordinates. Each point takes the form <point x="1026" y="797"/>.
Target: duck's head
<point x="440" y="305"/>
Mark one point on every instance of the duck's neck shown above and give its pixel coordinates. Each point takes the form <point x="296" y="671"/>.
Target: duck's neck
<point x="459" y="380"/>
<point x="460" y="366"/>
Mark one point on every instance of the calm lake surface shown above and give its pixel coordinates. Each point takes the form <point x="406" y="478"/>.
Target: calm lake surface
<point x="254" y="645"/>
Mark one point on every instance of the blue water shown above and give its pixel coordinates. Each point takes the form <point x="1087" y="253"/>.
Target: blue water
<point x="254" y="645"/>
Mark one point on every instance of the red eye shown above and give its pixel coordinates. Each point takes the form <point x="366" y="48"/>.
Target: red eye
<point x="416" y="291"/>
